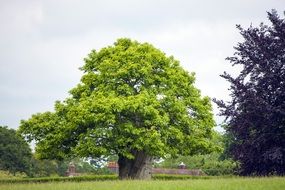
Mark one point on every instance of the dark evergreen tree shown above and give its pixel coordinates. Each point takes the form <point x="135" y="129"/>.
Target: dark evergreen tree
<point x="15" y="153"/>
<point x="255" y="116"/>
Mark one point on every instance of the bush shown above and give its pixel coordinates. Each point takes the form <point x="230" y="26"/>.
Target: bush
<point x="210" y="164"/>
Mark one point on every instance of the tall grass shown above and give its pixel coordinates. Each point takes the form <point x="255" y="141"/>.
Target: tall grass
<point x="272" y="183"/>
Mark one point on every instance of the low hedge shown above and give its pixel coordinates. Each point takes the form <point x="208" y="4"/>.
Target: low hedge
<point x="177" y="177"/>
<point x="60" y="179"/>
<point x="97" y="178"/>
<point x="219" y="172"/>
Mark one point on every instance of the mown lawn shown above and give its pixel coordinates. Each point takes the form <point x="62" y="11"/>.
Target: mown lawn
<point x="272" y="183"/>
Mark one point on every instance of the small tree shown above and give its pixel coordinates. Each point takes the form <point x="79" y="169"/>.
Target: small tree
<point x="43" y="168"/>
<point x="256" y="113"/>
<point x="133" y="102"/>
<point x="15" y="153"/>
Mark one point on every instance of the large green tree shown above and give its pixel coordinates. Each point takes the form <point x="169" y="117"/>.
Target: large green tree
<point x="133" y="101"/>
<point x="15" y="153"/>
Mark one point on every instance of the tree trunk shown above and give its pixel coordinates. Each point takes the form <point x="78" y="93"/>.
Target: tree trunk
<point x="137" y="168"/>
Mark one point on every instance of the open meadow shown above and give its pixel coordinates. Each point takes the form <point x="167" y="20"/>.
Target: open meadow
<point x="271" y="183"/>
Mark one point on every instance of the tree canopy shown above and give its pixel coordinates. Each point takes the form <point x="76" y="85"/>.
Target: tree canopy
<point x="15" y="153"/>
<point x="133" y="101"/>
<point x="256" y="113"/>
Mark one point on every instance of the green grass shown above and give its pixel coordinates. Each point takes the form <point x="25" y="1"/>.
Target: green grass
<point x="272" y="183"/>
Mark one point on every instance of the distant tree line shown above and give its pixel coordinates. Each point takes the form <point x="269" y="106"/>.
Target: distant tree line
<point x="215" y="164"/>
<point x="16" y="157"/>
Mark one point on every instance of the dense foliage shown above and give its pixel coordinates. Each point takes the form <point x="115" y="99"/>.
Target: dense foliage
<point x="133" y="101"/>
<point x="15" y="153"/>
<point x="43" y="168"/>
<point x="210" y="164"/>
<point x="213" y="164"/>
<point x="256" y="113"/>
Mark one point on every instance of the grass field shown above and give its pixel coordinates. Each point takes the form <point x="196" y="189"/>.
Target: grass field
<point x="272" y="183"/>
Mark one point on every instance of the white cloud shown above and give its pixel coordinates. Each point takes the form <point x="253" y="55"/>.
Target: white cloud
<point x="43" y="43"/>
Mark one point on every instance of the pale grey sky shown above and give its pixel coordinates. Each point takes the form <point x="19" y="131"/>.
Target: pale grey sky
<point x="43" y="42"/>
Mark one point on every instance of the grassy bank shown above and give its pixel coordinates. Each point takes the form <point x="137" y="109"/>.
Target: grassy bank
<point x="272" y="183"/>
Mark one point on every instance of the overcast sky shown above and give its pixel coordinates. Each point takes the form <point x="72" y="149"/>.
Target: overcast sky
<point x="43" y="42"/>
